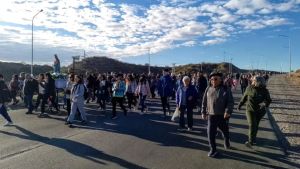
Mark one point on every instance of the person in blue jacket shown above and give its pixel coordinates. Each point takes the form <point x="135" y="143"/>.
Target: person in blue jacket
<point x="186" y="97"/>
<point x="165" y="88"/>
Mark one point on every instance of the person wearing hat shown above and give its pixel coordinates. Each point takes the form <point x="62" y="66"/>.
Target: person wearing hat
<point x="257" y="99"/>
<point x="217" y="106"/>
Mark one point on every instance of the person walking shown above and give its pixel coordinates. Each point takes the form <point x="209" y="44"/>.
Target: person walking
<point x="244" y="83"/>
<point x="201" y="86"/>
<point x="165" y="89"/>
<point x="130" y="91"/>
<point x="186" y="96"/>
<point x="28" y="90"/>
<point x="68" y="89"/>
<point x="258" y="100"/>
<point x="118" y="90"/>
<point x="217" y="107"/>
<point x="14" y="88"/>
<point x="41" y="94"/>
<point x="50" y="90"/>
<point x="143" y="90"/>
<point x="77" y="98"/>
<point x="103" y="92"/>
<point x="4" y="97"/>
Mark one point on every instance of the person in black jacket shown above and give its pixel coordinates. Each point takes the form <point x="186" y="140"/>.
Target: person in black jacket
<point x="102" y="92"/>
<point x="201" y="86"/>
<point x="50" y="91"/>
<point x="3" y="97"/>
<point x="29" y="88"/>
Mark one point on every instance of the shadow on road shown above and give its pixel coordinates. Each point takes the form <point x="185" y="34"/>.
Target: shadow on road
<point x="73" y="147"/>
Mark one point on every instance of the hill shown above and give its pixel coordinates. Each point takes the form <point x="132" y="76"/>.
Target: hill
<point x="104" y="65"/>
<point x="8" y="69"/>
<point x="208" y="67"/>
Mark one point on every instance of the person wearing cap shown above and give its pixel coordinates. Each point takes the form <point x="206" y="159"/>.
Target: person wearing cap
<point x="165" y="88"/>
<point x="185" y="100"/>
<point x="118" y="89"/>
<point x="217" y="107"/>
<point x="257" y="99"/>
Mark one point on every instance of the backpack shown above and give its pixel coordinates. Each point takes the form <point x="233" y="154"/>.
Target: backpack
<point x="86" y="93"/>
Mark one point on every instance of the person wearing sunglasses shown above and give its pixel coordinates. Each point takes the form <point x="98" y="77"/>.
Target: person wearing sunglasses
<point x="217" y="106"/>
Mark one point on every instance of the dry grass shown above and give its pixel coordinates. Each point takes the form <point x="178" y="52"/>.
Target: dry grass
<point x="295" y="77"/>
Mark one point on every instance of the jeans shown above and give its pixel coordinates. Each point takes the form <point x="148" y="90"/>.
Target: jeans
<point x="165" y="104"/>
<point x="4" y="113"/>
<point x="28" y="102"/>
<point x="142" y="101"/>
<point x="214" y="122"/>
<point x="114" y="105"/>
<point x="189" y="112"/>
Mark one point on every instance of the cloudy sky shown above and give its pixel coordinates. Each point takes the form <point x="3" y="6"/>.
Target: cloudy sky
<point x="170" y="31"/>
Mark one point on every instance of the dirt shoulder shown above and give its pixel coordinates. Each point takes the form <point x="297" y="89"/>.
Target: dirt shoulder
<point x="285" y="113"/>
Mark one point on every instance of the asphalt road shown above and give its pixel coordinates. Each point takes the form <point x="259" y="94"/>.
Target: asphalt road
<point x="135" y="141"/>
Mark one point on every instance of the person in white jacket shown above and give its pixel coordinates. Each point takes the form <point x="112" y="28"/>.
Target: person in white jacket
<point x="77" y="99"/>
<point x="143" y="90"/>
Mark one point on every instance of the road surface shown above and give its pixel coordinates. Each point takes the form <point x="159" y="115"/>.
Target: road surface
<point x="135" y="141"/>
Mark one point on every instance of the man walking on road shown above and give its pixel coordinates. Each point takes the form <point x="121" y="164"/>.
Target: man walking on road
<point x="217" y="106"/>
<point x="165" y="88"/>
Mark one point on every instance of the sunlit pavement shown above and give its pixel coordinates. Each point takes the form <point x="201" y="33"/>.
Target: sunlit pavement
<point x="136" y="141"/>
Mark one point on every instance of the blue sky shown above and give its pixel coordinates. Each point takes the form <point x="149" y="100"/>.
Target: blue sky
<point x="172" y="31"/>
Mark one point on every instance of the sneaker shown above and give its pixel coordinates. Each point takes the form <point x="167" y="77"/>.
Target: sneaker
<point x="227" y="145"/>
<point x="29" y="112"/>
<point x="41" y="115"/>
<point x="68" y="123"/>
<point x="190" y="129"/>
<point x="114" y="117"/>
<point x="212" y="154"/>
<point x="8" y="123"/>
<point x="248" y="144"/>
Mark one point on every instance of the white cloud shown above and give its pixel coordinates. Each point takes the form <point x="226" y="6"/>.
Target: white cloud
<point x="213" y="41"/>
<point x="122" y="30"/>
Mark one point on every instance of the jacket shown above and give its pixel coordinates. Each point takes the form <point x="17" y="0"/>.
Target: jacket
<point x="30" y="87"/>
<point x="217" y="101"/>
<point x="143" y="89"/>
<point x="256" y="98"/>
<point x="77" y="93"/>
<point x="165" y="86"/>
<point x="131" y="87"/>
<point x="119" y="89"/>
<point x="4" y="92"/>
<point x="191" y="91"/>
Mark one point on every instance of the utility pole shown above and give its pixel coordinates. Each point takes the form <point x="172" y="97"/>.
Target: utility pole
<point x="32" y="41"/>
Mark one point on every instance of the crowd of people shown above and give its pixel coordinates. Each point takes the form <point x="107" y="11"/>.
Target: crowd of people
<point x="210" y="95"/>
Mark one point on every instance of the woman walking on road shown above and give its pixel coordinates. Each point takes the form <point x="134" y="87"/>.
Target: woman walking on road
<point x="143" y="90"/>
<point x="77" y="98"/>
<point x="257" y="99"/>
